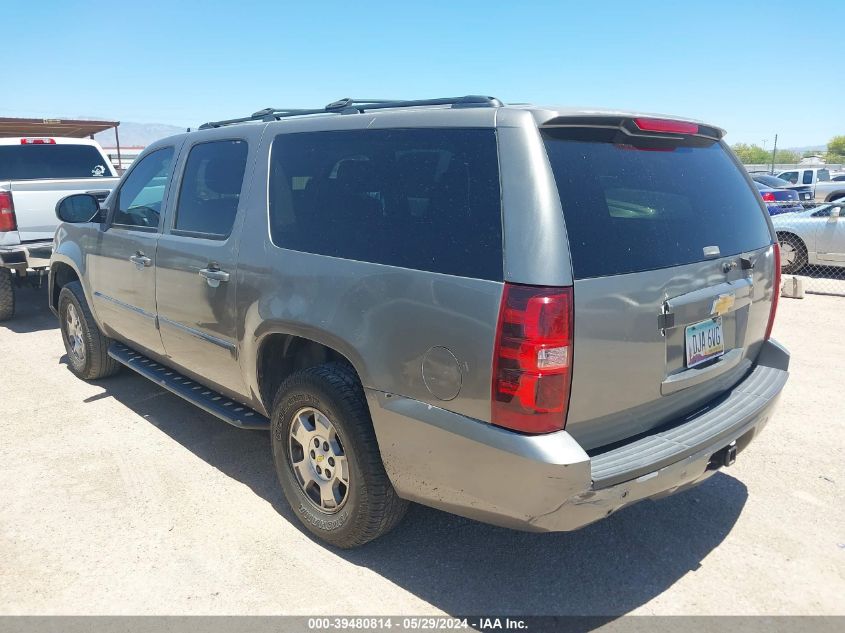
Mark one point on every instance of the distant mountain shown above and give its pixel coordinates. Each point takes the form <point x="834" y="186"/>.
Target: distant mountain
<point x="809" y="148"/>
<point x="137" y="134"/>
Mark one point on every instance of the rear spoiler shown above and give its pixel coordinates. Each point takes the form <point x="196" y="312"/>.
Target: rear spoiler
<point x="649" y="127"/>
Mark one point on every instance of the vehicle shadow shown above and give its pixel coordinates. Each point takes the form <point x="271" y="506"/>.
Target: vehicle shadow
<point x="32" y="312"/>
<point x="465" y="567"/>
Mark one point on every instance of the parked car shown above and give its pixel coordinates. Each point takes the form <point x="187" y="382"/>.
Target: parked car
<point x="35" y="173"/>
<point x="805" y="192"/>
<point x="812" y="237"/>
<point x="511" y="313"/>
<point x="778" y="200"/>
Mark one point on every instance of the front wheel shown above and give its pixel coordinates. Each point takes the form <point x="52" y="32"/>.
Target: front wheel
<point x="793" y="254"/>
<point x="86" y="346"/>
<point x="327" y="458"/>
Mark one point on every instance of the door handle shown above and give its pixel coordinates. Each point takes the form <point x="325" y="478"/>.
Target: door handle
<point x="140" y="260"/>
<point x="214" y="276"/>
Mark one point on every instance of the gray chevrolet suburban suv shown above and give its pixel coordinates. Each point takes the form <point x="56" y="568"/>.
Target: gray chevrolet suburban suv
<point x="527" y="316"/>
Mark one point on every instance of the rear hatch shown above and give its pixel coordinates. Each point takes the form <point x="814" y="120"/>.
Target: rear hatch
<point x="673" y="264"/>
<point x="805" y="192"/>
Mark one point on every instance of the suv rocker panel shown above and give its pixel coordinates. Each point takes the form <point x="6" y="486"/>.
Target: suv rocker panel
<point x="228" y="410"/>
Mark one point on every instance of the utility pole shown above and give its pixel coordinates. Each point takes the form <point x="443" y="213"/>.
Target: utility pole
<point x="774" y="151"/>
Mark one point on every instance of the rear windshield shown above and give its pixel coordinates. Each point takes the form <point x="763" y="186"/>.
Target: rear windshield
<point x="34" y="162"/>
<point x="629" y="209"/>
<point x="773" y="181"/>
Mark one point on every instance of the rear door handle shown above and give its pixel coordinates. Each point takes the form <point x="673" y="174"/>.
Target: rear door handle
<point x="140" y="260"/>
<point x="214" y="276"/>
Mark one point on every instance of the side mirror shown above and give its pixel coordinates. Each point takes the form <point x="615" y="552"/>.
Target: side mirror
<point x="835" y="212"/>
<point x="77" y="208"/>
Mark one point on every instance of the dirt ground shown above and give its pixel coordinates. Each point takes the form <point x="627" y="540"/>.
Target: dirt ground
<point x="119" y="498"/>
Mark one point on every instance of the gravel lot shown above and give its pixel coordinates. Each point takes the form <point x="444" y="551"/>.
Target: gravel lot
<point x="119" y="498"/>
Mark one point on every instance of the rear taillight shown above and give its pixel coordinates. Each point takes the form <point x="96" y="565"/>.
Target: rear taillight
<point x="666" y="125"/>
<point x="38" y="141"/>
<point x="768" y="196"/>
<point x="532" y="363"/>
<point x="776" y="294"/>
<point x="8" y="222"/>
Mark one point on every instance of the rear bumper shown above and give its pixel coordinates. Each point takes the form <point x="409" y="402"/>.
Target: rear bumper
<point x="548" y="482"/>
<point x="27" y="255"/>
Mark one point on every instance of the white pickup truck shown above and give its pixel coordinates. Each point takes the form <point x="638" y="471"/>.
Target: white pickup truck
<point x="818" y="179"/>
<point x="35" y="173"/>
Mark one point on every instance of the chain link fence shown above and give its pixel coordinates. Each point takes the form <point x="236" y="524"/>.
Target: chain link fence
<point x="812" y="244"/>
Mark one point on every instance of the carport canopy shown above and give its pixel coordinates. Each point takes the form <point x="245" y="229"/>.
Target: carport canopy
<point x="53" y="127"/>
<point x="73" y="128"/>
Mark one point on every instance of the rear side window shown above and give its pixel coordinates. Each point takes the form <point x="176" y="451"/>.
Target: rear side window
<point x="33" y="162"/>
<point x="211" y="188"/>
<point x="823" y="175"/>
<point x="426" y="199"/>
<point x="630" y="210"/>
<point x="808" y="178"/>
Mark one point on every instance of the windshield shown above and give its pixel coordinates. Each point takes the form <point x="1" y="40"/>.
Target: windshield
<point x="630" y="210"/>
<point x="36" y="162"/>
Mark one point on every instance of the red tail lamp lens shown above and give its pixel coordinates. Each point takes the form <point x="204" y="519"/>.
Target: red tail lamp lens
<point x="533" y="359"/>
<point x="666" y="125"/>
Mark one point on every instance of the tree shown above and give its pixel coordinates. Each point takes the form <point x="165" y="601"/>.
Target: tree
<point x="836" y="150"/>
<point x="752" y="154"/>
<point x="786" y="156"/>
<point x="836" y="145"/>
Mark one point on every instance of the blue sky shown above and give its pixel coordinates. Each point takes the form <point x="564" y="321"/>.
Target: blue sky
<point x="753" y="68"/>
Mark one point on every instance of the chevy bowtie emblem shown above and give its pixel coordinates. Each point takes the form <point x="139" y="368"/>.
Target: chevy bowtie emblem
<point x="319" y="458"/>
<point x="723" y="304"/>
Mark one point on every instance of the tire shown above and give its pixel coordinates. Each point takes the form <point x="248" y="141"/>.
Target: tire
<point x="793" y="254"/>
<point x="367" y="506"/>
<point x="86" y="347"/>
<point x="7" y="295"/>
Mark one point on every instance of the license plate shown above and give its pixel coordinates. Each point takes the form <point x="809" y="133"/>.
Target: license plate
<point x="806" y="196"/>
<point x="704" y="341"/>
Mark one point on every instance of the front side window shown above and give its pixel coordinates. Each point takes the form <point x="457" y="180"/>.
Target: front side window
<point x="791" y="176"/>
<point x="211" y="188"/>
<point x="142" y="193"/>
<point x="425" y="199"/>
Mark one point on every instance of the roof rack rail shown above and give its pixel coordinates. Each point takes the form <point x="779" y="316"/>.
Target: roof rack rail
<point x="357" y="106"/>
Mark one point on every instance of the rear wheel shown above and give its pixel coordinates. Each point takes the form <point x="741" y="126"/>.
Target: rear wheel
<point x="327" y="457"/>
<point x="7" y="295"/>
<point x="793" y="254"/>
<point x="86" y="346"/>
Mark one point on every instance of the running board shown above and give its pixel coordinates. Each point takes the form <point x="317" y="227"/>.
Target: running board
<point x="234" y="413"/>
